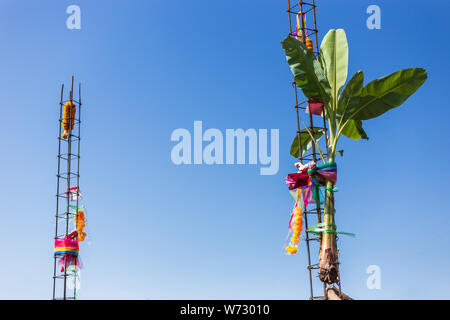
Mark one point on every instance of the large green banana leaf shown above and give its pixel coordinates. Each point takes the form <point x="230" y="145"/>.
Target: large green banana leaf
<point x="305" y="141"/>
<point x="349" y="97"/>
<point x="307" y="71"/>
<point x="347" y="100"/>
<point x="386" y="93"/>
<point x="334" y="59"/>
<point x="354" y="130"/>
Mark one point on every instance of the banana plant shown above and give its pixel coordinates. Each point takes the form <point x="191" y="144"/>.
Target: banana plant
<point x="346" y="106"/>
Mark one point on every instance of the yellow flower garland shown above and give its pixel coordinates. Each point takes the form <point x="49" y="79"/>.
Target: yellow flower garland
<point x="79" y="223"/>
<point x="309" y="44"/>
<point x="66" y="120"/>
<point x="292" y="248"/>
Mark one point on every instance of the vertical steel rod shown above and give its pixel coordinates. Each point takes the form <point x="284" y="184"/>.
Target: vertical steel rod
<point x="78" y="174"/>
<point x="300" y="12"/>
<point x="69" y="157"/>
<point x="311" y="121"/>
<point x="300" y="158"/>
<point x="57" y="187"/>
<point x="315" y="28"/>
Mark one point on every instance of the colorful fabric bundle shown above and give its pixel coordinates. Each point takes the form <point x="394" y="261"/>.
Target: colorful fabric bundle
<point x="319" y="177"/>
<point x="327" y="171"/>
<point x="310" y="178"/>
<point x="296" y="180"/>
<point x="68" y="118"/>
<point x="298" y="28"/>
<point x="75" y="194"/>
<point x="67" y="248"/>
<point x="309" y="193"/>
<point x="302" y="167"/>
<point x="315" y="107"/>
<point x="67" y="245"/>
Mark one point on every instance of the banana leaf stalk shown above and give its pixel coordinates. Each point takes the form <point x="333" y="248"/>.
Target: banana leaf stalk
<point x="346" y="106"/>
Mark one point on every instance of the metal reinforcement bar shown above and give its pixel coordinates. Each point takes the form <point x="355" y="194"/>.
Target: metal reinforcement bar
<point x="68" y="171"/>
<point x="300" y="14"/>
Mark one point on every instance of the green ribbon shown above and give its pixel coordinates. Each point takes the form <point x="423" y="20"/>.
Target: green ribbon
<point x="316" y="191"/>
<point x="321" y="227"/>
<point x="74" y="208"/>
<point x="316" y="188"/>
<point x="326" y="165"/>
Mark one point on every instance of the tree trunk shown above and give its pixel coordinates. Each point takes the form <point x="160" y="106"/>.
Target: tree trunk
<point x="333" y="294"/>
<point x="328" y="257"/>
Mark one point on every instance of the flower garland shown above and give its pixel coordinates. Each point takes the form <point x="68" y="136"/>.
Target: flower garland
<point x="309" y="44"/>
<point x="79" y="223"/>
<point x="297" y="221"/>
<point x="68" y="117"/>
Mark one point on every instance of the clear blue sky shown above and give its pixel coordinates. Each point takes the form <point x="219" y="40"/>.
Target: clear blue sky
<point x="160" y="231"/>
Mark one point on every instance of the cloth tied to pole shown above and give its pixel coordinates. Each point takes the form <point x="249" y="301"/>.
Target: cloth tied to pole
<point x="315" y="107"/>
<point x="310" y="179"/>
<point x="67" y="248"/>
